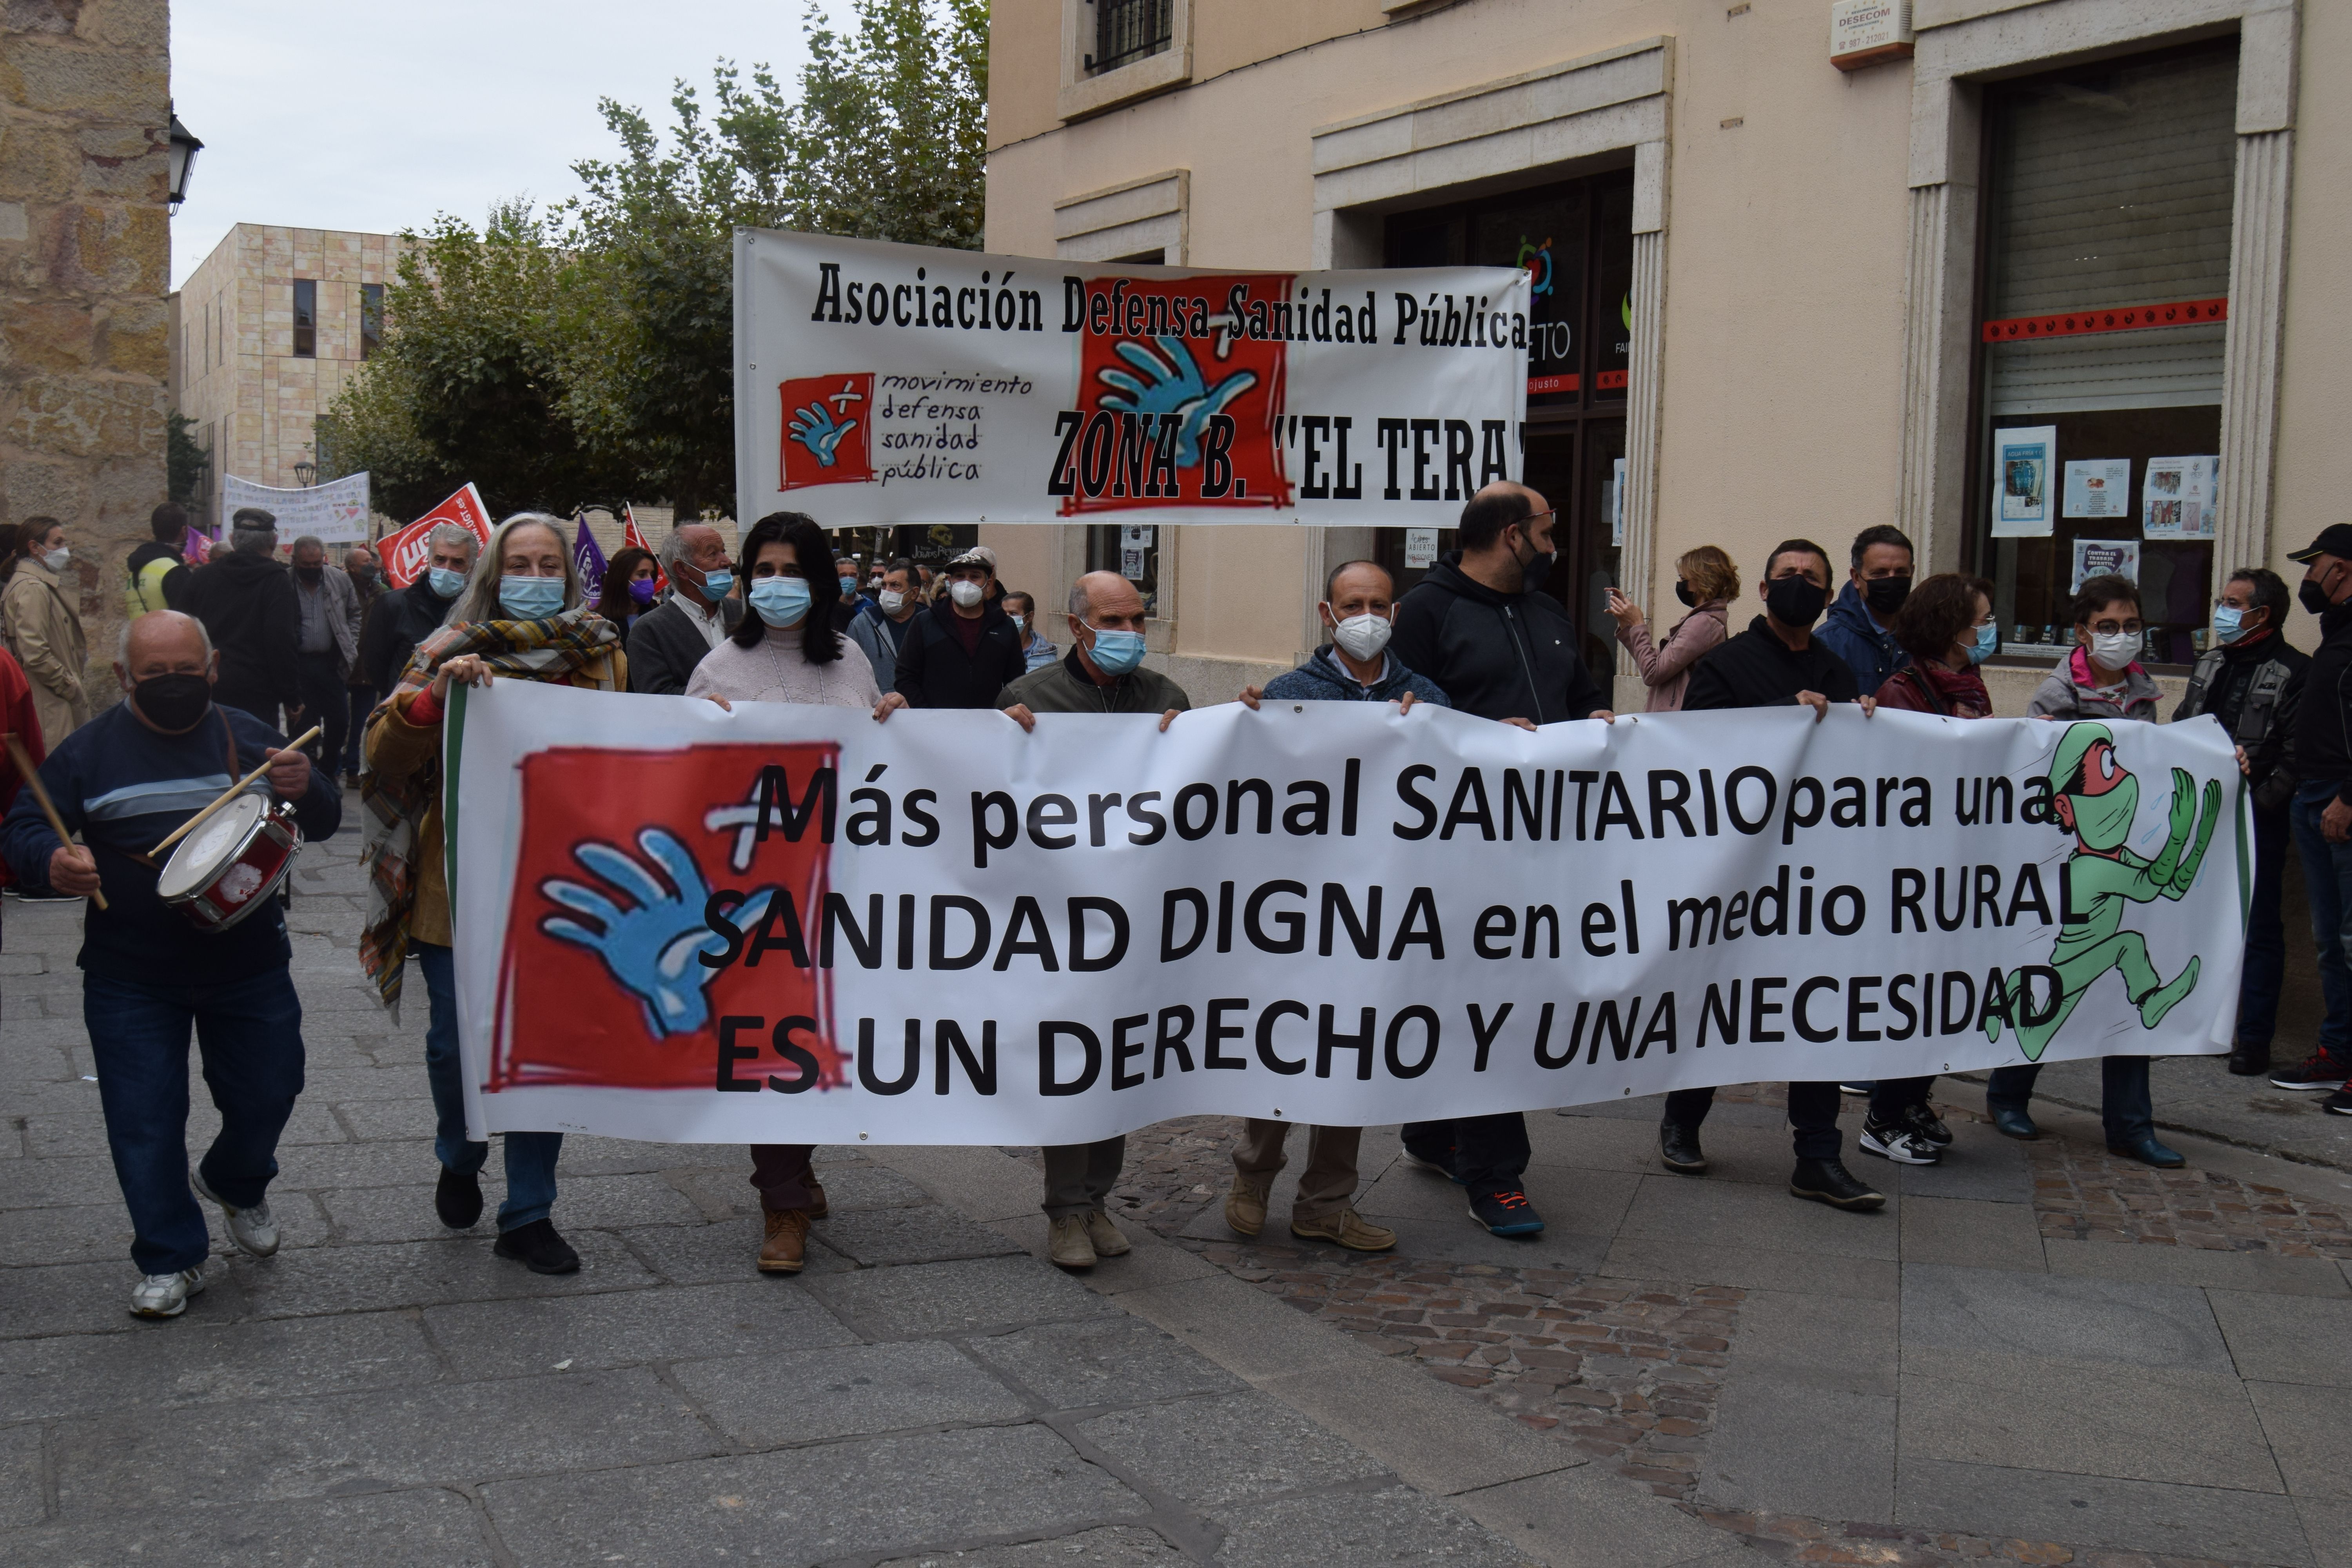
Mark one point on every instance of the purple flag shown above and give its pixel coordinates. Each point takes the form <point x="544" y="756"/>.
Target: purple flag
<point x="195" y="547"/>
<point x="590" y="559"/>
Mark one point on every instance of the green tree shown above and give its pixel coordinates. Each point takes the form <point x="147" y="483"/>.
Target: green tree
<point x="184" y="461"/>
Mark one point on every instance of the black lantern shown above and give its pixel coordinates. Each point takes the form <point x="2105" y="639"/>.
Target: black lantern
<point x="183" y="150"/>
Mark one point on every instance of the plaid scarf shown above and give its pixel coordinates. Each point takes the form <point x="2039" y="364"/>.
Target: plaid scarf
<point x="574" y="648"/>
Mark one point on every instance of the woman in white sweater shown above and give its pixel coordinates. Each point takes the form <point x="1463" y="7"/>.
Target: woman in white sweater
<point x="785" y="653"/>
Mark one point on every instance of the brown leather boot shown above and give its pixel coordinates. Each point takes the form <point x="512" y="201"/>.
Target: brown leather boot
<point x="818" y="1208"/>
<point x="784" y="1250"/>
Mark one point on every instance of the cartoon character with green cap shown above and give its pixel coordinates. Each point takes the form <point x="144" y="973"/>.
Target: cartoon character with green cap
<point x="2095" y="798"/>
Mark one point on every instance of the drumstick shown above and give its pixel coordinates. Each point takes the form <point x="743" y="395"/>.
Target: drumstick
<point x="31" y="775"/>
<point x="232" y="792"/>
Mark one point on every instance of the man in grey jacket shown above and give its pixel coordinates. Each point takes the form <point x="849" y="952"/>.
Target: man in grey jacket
<point x="327" y="647"/>
<point x="671" y="639"/>
<point x="881" y="627"/>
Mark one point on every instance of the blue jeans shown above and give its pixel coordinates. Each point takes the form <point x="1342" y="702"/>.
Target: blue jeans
<point x="2258" y="985"/>
<point x="530" y="1156"/>
<point x="2126" y="1109"/>
<point x="2327" y="878"/>
<point x="250" y="1034"/>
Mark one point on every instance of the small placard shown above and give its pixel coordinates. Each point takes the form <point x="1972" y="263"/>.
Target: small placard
<point x="1864" y="32"/>
<point x="1420" y="548"/>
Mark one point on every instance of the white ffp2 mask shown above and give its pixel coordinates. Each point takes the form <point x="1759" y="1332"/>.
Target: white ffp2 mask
<point x="1362" y="637"/>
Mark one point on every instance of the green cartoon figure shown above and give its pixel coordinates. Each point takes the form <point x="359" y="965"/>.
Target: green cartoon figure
<point x="2095" y="798"/>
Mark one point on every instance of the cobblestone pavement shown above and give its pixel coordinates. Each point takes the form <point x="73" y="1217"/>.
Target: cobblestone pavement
<point x="2036" y="1354"/>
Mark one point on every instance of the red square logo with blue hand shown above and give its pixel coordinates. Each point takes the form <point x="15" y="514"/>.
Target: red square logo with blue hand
<point x="828" y="428"/>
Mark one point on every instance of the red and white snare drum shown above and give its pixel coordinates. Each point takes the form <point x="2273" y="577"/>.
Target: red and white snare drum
<point x="233" y="863"/>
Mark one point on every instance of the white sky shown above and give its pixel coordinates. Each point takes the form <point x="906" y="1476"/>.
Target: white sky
<point x="330" y="114"/>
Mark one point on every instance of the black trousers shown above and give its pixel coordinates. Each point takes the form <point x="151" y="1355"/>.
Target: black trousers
<point x="326" y="702"/>
<point x="1486" y="1154"/>
<point x="1812" y="1116"/>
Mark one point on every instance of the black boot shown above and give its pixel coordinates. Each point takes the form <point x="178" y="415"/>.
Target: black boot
<point x="1679" y="1149"/>
<point x="2247" y="1061"/>
<point x="457" y="1198"/>
<point x="538" y="1249"/>
<point x="1828" y="1181"/>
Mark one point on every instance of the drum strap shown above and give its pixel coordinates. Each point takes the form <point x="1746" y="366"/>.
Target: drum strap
<point x="228" y="748"/>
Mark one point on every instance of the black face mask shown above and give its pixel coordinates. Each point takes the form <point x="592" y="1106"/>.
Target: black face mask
<point x="1795" y="601"/>
<point x="173" y="702"/>
<point x="310" y="574"/>
<point x="1886" y="595"/>
<point x="2314" y="597"/>
<point x="1682" y="592"/>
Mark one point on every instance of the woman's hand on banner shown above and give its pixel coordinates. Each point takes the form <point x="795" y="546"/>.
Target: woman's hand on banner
<point x="466" y="670"/>
<point x="1869" y="706"/>
<point x="891" y="702"/>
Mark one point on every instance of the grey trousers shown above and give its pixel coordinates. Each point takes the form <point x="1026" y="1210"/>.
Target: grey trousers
<point x="1326" y="1185"/>
<point x="1079" y="1177"/>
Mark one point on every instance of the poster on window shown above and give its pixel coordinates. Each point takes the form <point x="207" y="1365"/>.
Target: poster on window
<point x="1420" y="548"/>
<point x="2176" y="498"/>
<point x="1617" y="502"/>
<point x="2022" y="463"/>
<point x="2099" y="487"/>
<point x="2104" y="557"/>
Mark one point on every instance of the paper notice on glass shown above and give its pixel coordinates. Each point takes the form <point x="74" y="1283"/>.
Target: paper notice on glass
<point x="1130" y="563"/>
<point x="1137" y="536"/>
<point x="2099" y="557"/>
<point x="2022" y="473"/>
<point x="1420" y="548"/>
<point x="1617" y="502"/>
<point x="2176" y="498"/>
<point x="2100" y="487"/>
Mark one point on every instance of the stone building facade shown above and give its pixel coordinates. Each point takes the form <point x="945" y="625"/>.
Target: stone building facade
<point x="263" y="334"/>
<point x="85" y="256"/>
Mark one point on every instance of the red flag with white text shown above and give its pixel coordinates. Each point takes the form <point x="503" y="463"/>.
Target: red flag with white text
<point x="407" y="553"/>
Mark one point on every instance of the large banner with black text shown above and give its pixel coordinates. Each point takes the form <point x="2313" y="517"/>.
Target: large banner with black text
<point x="794" y="924"/>
<point x="897" y="384"/>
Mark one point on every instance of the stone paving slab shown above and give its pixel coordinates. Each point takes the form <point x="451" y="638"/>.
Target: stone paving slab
<point x="2192" y="1522"/>
<point x="524" y="1336"/>
<point x="790" y="1396"/>
<point x="205" y="1363"/>
<point x="421" y="1528"/>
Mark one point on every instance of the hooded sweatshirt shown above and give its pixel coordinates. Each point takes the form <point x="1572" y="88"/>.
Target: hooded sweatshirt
<point x="247" y="602"/>
<point x="1323" y="679"/>
<point x="1497" y="656"/>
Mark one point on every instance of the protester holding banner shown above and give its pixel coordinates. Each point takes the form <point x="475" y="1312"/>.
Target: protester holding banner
<point x="1476" y="626"/>
<point x="2322" y="811"/>
<point x="669" y="640"/>
<point x="43" y="621"/>
<point x="522" y="616"/>
<point x="2101" y="678"/>
<point x="628" y="587"/>
<point x="1356" y="665"/>
<point x="2251" y="681"/>
<point x="965" y="649"/>
<point x="1776" y="662"/>
<point x="247" y="603"/>
<point x="398" y="621"/>
<point x="159" y="572"/>
<point x="329" y="647"/>
<point x="1705" y="580"/>
<point x="149" y="974"/>
<point x="1035" y="647"/>
<point x="1860" y="626"/>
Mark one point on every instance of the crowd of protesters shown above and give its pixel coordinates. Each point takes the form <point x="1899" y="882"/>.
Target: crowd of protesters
<point x="220" y="659"/>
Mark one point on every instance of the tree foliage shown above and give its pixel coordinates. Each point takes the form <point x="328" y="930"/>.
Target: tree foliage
<point x="592" y="356"/>
<point x="184" y="458"/>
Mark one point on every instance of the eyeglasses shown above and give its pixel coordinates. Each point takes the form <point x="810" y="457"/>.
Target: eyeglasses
<point x="2112" y="628"/>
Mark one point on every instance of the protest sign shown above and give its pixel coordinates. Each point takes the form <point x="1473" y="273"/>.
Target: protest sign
<point x="896" y="384"/>
<point x="791" y="924"/>
<point x="334" y="513"/>
<point x="407" y="552"/>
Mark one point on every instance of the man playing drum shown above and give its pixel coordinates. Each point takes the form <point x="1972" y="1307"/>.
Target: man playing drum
<point x="124" y="781"/>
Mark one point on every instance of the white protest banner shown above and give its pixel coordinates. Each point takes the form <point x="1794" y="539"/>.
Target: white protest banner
<point x="896" y="384"/>
<point x="334" y="513"/>
<point x="793" y="924"/>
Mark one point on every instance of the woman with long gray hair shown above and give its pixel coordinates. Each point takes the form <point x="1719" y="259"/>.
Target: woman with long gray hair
<point x="519" y="616"/>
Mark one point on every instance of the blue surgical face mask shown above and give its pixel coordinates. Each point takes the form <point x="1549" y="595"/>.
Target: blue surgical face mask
<point x="529" y="598"/>
<point x="781" y="601"/>
<point x="446" y="584"/>
<point x="716" y="586"/>
<point x="2229" y="623"/>
<point x="1988" y="643"/>
<point x="1116" y="652"/>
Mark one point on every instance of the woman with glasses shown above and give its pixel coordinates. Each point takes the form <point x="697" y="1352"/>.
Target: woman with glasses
<point x="2101" y="678"/>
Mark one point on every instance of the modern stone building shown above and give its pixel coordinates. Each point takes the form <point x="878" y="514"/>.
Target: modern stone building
<point x="1946" y="281"/>
<point x="85" y="256"/>
<point x="263" y="334"/>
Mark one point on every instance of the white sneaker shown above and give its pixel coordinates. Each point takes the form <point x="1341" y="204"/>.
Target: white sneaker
<point x="166" y="1295"/>
<point x="1892" y="1140"/>
<point x="255" y="1229"/>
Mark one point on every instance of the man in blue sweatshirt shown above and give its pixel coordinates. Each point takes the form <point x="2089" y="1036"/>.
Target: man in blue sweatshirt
<point x="123" y="780"/>
<point x="1878" y="579"/>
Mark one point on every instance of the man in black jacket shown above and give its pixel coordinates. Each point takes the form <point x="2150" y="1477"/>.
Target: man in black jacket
<point x="1775" y="663"/>
<point x="964" y="649"/>
<point x="1498" y="649"/>
<point x="671" y="639"/>
<point x="2251" y="681"/>
<point x="398" y="621"/>
<point x="247" y="603"/>
<point x="2321" y="753"/>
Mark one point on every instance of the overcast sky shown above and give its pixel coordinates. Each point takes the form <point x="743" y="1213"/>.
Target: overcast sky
<point x="329" y="114"/>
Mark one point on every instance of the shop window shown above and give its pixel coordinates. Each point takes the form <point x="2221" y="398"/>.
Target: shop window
<point x="1133" y="551"/>
<point x="1129" y="30"/>
<point x="2105" y="268"/>
<point x="306" y="318"/>
<point x="1575" y="240"/>
<point x="371" y="319"/>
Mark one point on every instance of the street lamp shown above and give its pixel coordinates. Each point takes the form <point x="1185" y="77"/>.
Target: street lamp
<point x="305" y="472"/>
<point x="183" y="150"/>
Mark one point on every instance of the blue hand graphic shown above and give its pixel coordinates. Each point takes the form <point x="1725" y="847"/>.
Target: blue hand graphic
<point x="650" y="949"/>
<point x="1175" y="387"/>
<point x="813" y="427"/>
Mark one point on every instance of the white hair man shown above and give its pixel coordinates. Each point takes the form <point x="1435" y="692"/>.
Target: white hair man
<point x="398" y="621"/>
<point x="671" y="639"/>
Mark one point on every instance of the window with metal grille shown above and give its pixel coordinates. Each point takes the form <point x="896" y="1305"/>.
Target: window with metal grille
<point x="1129" y="30"/>
<point x="306" y="318"/>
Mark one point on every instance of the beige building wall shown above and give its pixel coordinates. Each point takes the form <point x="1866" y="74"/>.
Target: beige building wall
<point x="235" y="372"/>
<point x="1790" y="380"/>
<point x="85" y="256"/>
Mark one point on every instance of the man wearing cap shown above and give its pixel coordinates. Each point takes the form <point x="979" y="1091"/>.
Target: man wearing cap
<point x="2322" y="812"/>
<point x="964" y="649"/>
<point x="247" y="605"/>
